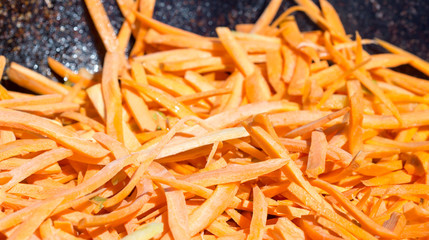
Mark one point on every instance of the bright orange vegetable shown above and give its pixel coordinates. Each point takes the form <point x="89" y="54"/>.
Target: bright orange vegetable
<point x="264" y="132"/>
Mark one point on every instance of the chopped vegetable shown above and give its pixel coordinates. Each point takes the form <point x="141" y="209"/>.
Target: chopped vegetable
<point x="267" y="132"/>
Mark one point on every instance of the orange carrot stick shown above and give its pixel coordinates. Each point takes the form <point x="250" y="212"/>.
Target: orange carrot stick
<point x="112" y="96"/>
<point x="161" y="27"/>
<point x="366" y="222"/>
<point x="317" y="154"/>
<point x="259" y="216"/>
<point x="30" y="225"/>
<point x="267" y="16"/>
<point x="33" y="81"/>
<point x="102" y="24"/>
<point x="28" y="122"/>
<point x="316" y="124"/>
<point x="212" y="207"/>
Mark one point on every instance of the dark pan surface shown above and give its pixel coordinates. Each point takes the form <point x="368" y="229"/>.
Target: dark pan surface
<point x="32" y="30"/>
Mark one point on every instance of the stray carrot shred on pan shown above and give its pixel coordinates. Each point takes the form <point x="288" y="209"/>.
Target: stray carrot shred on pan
<point x="266" y="132"/>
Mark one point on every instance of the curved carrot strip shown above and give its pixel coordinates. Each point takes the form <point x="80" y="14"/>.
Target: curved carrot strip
<point x="32" y="123"/>
<point x="366" y="222"/>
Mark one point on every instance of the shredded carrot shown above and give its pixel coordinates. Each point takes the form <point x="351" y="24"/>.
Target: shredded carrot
<point x="267" y="132"/>
<point x="259" y="217"/>
<point x="102" y="24"/>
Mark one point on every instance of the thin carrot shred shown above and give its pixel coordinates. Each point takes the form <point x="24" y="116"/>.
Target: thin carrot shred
<point x="267" y="132"/>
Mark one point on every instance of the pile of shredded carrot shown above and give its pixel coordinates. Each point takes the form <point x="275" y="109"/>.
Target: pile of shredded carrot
<point x="264" y="132"/>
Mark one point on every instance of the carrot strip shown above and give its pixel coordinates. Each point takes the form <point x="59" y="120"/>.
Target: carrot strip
<point x="28" y="101"/>
<point x="170" y="86"/>
<point x="20" y="120"/>
<point x="239" y="56"/>
<point x="112" y="96"/>
<point x="332" y="18"/>
<point x="259" y="216"/>
<point x="48" y="109"/>
<point x="366" y="222"/>
<point x="313" y="230"/>
<point x="232" y="173"/>
<point x="161" y="27"/>
<point x="115" y="217"/>
<point x="289" y="63"/>
<point x="316" y="124"/>
<point x="66" y="73"/>
<point x="300" y="193"/>
<point x="285" y="229"/>
<point x="176" y="209"/>
<point x="335" y="228"/>
<point x="33" y="81"/>
<point x="30" y="225"/>
<point x="212" y="207"/>
<point x="23" y="146"/>
<point x="300" y="76"/>
<point x="415" y="230"/>
<point x="102" y="24"/>
<point x="413" y="84"/>
<point x="173" y="55"/>
<point x="43" y="160"/>
<point x="354" y="90"/>
<point x="416" y="62"/>
<point x="363" y="79"/>
<point x="84" y="119"/>
<point x="317" y="154"/>
<point x="267" y="16"/>
<point x="397" y="177"/>
<point x="386" y="61"/>
<point x="256" y="87"/>
<point x="139" y="109"/>
<point x="162" y="98"/>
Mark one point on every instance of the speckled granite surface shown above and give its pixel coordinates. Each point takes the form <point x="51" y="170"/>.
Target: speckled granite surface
<point x="32" y="30"/>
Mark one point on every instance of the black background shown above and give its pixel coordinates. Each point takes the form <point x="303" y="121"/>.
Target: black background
<point x="32" y="30"/>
